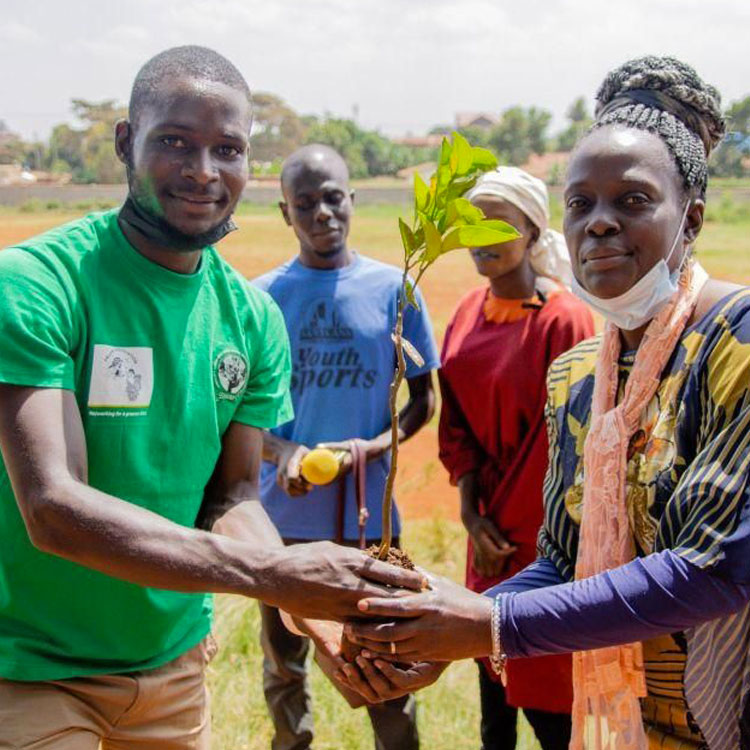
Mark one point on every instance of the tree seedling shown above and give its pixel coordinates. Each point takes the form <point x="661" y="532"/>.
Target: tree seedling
<point x="443" y="221"/>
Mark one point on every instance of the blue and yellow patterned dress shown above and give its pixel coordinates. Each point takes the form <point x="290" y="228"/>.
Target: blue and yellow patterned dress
<point x="687" y="490"/>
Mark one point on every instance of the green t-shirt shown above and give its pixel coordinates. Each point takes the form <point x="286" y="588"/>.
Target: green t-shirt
<point x="160" y="364"/>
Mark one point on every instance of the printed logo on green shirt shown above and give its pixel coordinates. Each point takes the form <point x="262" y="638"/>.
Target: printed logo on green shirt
<point x="121" y="377"/>
<point x="230" y="374"/>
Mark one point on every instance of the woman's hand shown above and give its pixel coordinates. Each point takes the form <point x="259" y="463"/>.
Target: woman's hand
<point x="445" y="623"/>
<point x="491" y="549"/>
<point x="378" y="680"/>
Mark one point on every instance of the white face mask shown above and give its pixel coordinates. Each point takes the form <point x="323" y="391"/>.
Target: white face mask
<point x="645" y="298"/>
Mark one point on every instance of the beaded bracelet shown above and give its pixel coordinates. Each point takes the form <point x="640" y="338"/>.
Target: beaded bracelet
<point x="497" y="657"/>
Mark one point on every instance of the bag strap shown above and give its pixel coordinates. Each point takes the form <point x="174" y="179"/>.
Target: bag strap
<point x="359" y="477"/>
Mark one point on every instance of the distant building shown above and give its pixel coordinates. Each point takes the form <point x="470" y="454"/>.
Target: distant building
<point x="420" y="141"/>
<point x="549" y="167"/>
<point x="11" y="174"/>
<point x="481" y="120"/>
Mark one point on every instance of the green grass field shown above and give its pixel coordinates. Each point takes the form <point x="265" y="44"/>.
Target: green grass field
<point x="448" y="711"/>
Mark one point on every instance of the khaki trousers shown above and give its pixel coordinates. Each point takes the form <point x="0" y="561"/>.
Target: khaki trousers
<point x="166" y="708"/>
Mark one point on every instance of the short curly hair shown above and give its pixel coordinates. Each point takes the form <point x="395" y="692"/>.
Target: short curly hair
<point x="192" y="60"/>
<point x="665" y="96"/>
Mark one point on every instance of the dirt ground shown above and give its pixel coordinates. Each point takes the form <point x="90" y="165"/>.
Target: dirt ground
<point x="261" y="243"/>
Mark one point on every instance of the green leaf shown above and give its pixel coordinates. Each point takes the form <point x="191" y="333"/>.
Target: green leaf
<point x="411" y="297"/>
<point x="479" y="235"/>
<point x="460" y="186"/>
<point x="445" y="152"/>
<point x="464" y="155"/>
<point x="421" y="193"/>
<point x="433" y="242"/>
<point x="438" y="219"/>
<point x="462" y="211"/>
<point x="407" y="237"/>
<point x="498" y="225"/>
<point x="410" y="350"/>
<point x="443" y="180"/>
<point x="483" y="159"/>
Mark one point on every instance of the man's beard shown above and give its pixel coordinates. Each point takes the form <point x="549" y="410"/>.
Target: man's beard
<point x="156" y="229"/>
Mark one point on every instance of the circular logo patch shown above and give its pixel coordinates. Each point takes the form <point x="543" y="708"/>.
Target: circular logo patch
<point x="230" y="372"/>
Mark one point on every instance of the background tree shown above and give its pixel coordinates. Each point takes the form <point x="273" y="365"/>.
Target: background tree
<point x="520" y="133"/>
<point x="277" y="128"/>
<point x="12" y="148"/>
<point x="731" y="157"/>
<point x="366" y="152"/>
<point x="579" y="121"/>
<point x="738" y="116"/>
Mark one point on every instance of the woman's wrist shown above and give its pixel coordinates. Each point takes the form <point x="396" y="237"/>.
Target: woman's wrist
<point x="498" y="657"/>
<point x="482" y="639"/>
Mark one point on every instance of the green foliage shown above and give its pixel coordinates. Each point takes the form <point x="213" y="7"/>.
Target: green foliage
<point x="443" y="219"/>
<point x="88" y="153"/>
<point x="520" y="133"/>
<point x="366" y="152"/>
<point x="277" y="129"/>
<point x="727" y="160"/>
<point x="731" y="157"/>
<point x="738" y="116"/>
<point x="579" y="121"/>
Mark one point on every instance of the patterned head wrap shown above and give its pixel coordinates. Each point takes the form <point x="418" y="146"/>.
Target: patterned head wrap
<point x="666" y="97"/>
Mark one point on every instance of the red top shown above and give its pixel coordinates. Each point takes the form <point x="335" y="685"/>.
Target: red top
<point x="492" y="380"/>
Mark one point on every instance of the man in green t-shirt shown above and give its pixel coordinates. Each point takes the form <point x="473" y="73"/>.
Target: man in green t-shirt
<point x="137" y="373"/>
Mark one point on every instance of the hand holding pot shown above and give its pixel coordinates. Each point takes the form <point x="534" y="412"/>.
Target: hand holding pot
<point x="445" y="623"/>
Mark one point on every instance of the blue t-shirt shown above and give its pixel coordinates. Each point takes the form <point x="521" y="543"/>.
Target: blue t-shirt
<point x="343" y="358"/>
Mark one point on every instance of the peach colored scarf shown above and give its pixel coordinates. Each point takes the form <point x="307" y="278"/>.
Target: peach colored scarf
<point x="608" y="682"/>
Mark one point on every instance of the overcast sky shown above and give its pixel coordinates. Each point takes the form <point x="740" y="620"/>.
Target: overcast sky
<point x="406" y="64"/>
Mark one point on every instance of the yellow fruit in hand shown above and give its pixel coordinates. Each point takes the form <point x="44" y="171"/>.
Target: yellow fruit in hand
<point x="319" y="466"/>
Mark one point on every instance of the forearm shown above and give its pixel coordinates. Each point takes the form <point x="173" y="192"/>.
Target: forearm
<point x="468" y="490"/>
<point x="540" y="574"/>
<point x="274" y="447"/>
<point x="247" y="521"/>
<point x="88" y="527"/>
<point x="658" y="594"/>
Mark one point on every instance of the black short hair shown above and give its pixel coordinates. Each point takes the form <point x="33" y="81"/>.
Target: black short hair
<point x="665" y="96"/>
<point x="191" y="60"/>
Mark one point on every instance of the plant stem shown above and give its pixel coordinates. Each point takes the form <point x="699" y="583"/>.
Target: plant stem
<point x="398" y="378"/>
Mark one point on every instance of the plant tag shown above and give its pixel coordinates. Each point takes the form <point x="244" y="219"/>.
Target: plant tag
<point x="410" y="350"/>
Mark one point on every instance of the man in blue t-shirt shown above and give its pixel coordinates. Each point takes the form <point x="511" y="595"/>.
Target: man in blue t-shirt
<point x="340" y="309"/>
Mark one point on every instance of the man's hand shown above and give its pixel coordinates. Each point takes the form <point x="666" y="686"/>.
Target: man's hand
<point x="325" y="581"/>
<point x="372" y="450"/>
<point x="377" y="680"/>
<point x="491" y="549"/>
<point x="446" y="623"/>
<point x="288" y="475"/>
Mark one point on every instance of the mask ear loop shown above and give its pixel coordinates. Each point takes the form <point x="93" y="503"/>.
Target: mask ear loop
<point x="685" y="255"/>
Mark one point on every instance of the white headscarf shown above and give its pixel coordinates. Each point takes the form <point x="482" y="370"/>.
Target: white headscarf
<point x="549" y="254"/>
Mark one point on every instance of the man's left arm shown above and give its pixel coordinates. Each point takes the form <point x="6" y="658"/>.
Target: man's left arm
<point x="232" y="507"/>
<point x="231" y="502"/>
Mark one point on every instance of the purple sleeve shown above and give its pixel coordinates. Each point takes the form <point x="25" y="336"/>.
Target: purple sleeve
<point x="541" y="573"/>
<point x="660" y="593"/>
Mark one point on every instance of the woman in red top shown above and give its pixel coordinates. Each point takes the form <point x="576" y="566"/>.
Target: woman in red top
<point x="493" y="442"/>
